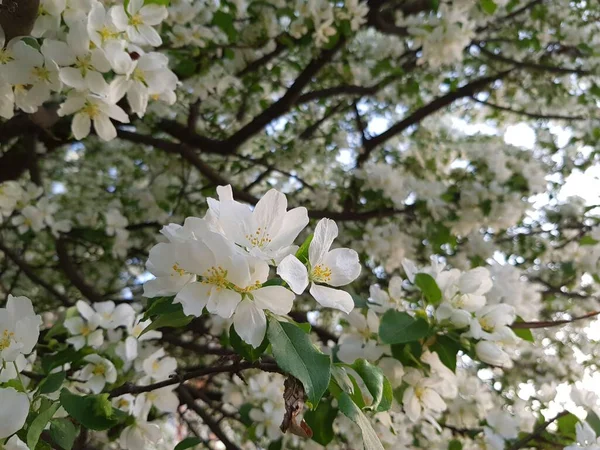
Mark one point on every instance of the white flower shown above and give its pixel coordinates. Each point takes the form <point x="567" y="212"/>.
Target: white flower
<point x="98" y="373"/>
<point x="107" y="314"/>
<point x="140" y="436"/>
<point x="13" y="413"/>
<point x="114" y="221"/>
<point x="491" y="353"/>
<point x="163" y="264"/>
<point x="463" y="294"/>
<point x="420" y="399"/>
<point x="14" y="443"/>
<point x="159" y="367"/>
<point x="163" y="399"/>
<point x="230" y="282"/>
<point x="492" y="323"/>
<point x="35" y="76"/>
<point x="82" y="67"/>
<point x="128" y="350"/>
<point x="360" y="344"/>
<point x="31" y="218"/>
<point x="138" y="21"/>
<point x="88" y="109"/>
<point x="268" y="420"/>
<point x="125" y="402"/>
<point x="267" y="232"/>
<point x="586" y="438"/>
<point x="48" y="20"/>
<point x="19" y="328"/>
<point x="100" y="26"/>
<point x="337" y="267"/>
<point x="84" y="332"/>
<point x="148" y="77"/>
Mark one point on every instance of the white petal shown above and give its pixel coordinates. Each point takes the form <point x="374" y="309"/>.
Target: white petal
<point x="325" y="232"/>
<point x="14" y="410"/>
<point x="81" y="126"/>
<point x="250" y="323"/>
<point x="294" y="273"/>
<point x="223" y="302"/>
<point x="104" y="127"/>
<point x="332" y="298"/>
<point x="344" y="264"/>
<point x="193" y="297"/>
<point x="274" y="298"/>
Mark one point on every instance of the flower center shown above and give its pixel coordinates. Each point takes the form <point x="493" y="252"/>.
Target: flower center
<point x="136" y="20"/>
<point x="6" y="339"/>
<point x="5" y="56"/>
<point x="321" y="274"/>
<point x="84" y="64"/>
<point x="99" y="370"/>
<point x="486" y="324"/>
<point x="178" y="270"/>
<point x="216" y="276"/>
<point x="91" y="110"/>
<point x="106" y="34"/>
<point x="41" y="73"/>
<point x="85" y="331"/>
<point x="260" y="238"/>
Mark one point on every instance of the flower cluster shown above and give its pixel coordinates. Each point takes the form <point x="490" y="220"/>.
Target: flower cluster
<point x="221" y="263"/>
<point x="92" y="55"/>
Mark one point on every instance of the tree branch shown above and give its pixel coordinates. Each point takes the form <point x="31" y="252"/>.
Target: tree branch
<point x="432" y="107"/>
<point x="188" y="399"/>
<point x="178" y="379"/>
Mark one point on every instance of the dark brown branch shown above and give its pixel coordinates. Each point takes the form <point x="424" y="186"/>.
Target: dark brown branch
<point x="536" y="432"/>
<point x="187" y="398"/>
<point x="180" y="378"/>
<point x="526" y="113"/>
<point x="27" y="270"/>
<point x="18" y="16"/>
<point x="66" y="264"/>
<point x="552" y="323"/>
<point x="283" y="105"/>
<point x="415" y="117"/>
<point x="533" y="65"/>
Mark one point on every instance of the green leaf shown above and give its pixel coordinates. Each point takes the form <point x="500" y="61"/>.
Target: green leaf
<point x="594" y="421"/>
<point x="63" y="357"/>
<point x="455" y="445"/>
<point x="378" y="385"/>
<point x="161" y="305"/>
<point x="489" y="6"/>
<point x="225" y="22"/>
<point x="320" y="420"/>
<point x="296" y="355"/>
<point x="398" y="327"/>
<point x="523" y="333"/>
<point x="408" y="354"/>
<point x="566" y="425"/>
<point x="302" y="253"/>
<point x="92" y="411"/>
<point x="447" y="349"/>
<point x="246" y="350"/>
<point x="353" y="412"/>
<point x="52" y="383"/>
<point x="188" y="443"/>
<point x="63" y="433"/>
<point x="39" y="423"/>
<point x="429" y="288"/>
<point x="587" y="240"/>
<point x="176" y="319"/>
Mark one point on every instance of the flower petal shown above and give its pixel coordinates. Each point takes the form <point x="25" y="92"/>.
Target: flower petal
<point x="293" y="273"/>
<point x="332" y="298"/>
<point x="274" y="298"/>
<point x="250" y="323"/>
<point x="325" y="232"/>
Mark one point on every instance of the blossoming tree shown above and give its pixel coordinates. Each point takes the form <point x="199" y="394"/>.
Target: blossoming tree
<point x="297" y="224"/>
